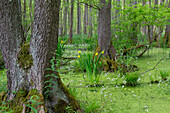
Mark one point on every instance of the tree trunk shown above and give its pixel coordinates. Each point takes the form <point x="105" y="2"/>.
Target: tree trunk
<point x="90" y="22"/>
<point x="31" y="16"/>
<point x="78" y="18"/>
<point x="27" y="63"/>
<point x="71" y="23"/>
<point x="25" y="18"/>
<point x="167" y="32"/>
<point x="104" y="29"/>
<point x="65" y="17"/>
<point x="85" y="18"/>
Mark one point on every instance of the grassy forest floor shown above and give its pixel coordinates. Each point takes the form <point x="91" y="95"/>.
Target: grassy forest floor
<point x="113" y="96"/>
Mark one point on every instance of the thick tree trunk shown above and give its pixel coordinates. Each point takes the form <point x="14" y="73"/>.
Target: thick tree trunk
<point x="104" y="29"/>
<point x="11" y="37"/>
<point x="71" y="23"/>
<point x="27" y="63"/>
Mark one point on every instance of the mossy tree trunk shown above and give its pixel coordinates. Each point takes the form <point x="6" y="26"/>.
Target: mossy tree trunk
<point x="27" y="62"/>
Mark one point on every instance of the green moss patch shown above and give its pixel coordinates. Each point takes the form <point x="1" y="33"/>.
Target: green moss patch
<point x="25" y="59"/>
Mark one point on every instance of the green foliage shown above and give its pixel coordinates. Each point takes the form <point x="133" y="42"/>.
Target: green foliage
<point x="33" y="103"/>
<point x="4" y="108"/>
<point x="55" y="66"/>
<point x="164" y="74"/>
<point x="127" y="26"/>
<point x="132" y="78"/>
<point x="91" y="66"/>
<point x="92" y="106"/>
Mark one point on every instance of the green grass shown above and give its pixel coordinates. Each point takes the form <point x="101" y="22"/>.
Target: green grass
<point x="113" y="96"/>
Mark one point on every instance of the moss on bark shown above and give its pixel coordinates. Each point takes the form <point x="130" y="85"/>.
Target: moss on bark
<point x="25" y="59"/>
<point x="61" y="107"/>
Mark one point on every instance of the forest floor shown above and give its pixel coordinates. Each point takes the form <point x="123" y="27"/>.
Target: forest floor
<point x="113" y="96"/>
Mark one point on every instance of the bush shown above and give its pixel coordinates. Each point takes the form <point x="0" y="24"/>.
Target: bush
<point x="164" y="74"/>
<point x="91" y="66"/>
<point x="131" y="79"/>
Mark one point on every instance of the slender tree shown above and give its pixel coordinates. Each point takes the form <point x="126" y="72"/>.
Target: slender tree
<point x="167" y="31"/>
<point x="65" y="17"/>
<point x="85" y="18"/>
<point x="71" y="22"/>
<point x="78" y="17"/>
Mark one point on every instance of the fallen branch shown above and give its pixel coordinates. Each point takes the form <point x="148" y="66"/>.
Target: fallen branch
<point x="69" y="57"/>
<point x="153" y="67"/>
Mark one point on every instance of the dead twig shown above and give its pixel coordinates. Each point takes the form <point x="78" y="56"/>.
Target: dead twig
<point x="153" y="67"/>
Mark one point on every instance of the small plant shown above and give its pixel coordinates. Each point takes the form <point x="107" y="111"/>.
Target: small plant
<point x="92" y="107"/>
<point x="164" y="74"/>
<point x="131" y="79"/>
<point x="91" y="66"/>
<point x="33" y="103"/>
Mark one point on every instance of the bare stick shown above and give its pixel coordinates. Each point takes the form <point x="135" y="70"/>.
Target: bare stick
<point x="153" y="67"/>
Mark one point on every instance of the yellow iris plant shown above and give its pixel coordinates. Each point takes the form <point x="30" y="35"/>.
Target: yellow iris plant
<point x="78" y="56"/>
<point x="96" y="54"/>
<point x="79" y="52"/>
<point x="103" y="52"/>
<point x="62" y="42"/>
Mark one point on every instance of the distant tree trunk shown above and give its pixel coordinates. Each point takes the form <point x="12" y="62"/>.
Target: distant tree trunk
<point x="27" y="63"/>
<point x="61" y="25"/>
<point x="151" y="26"/>
<point x="69" y="19"/>
<point x="71" y="23"/>
<point x="104" y="29"/>
<point x="90" y="22"/>
<point x="112" y="11"/>
<point x="31" y="16"/>
<point x="25" y="18"/>
<point x="85" y="18"/>
<point x="144" y="27"/>
<point x="65" y="17"/>
<point x="117" y="15"/>
<point x="167" y="32"/>
<point x="78" y="18"/>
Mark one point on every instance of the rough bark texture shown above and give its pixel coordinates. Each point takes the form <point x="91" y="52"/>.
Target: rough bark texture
<point x="27" y="63"/>
<point x="104" y="28"/>
<point x="11" y="37"/>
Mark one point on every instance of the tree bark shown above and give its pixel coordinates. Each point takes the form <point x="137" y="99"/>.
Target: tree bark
<point x="90" y="22"/>
<point x="85" y="18"/>
<point x="104" y="29"/>
<point x="27" y="63"/>
<point x="78" y="18"/>
<point x="167" y="32"/>
<point x="71" y="23"/>
<point x="65" y="17"/>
